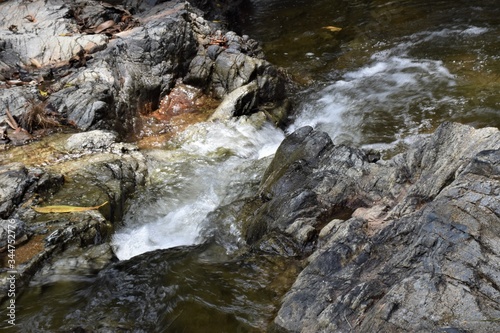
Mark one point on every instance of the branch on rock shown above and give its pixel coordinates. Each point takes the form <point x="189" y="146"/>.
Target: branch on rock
<point x="10" y="120"/>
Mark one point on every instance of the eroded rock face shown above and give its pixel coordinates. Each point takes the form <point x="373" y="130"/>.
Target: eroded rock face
<point x="420" y="252"/>
<point x="99" y="65"/>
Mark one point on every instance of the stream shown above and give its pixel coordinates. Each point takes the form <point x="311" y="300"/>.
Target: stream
<point x="375" y="74"/>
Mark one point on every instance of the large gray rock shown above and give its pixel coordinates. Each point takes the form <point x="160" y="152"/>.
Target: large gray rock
<point x="98" y="82"/>
<point x="419" y="253"/>
<point x="137" y="67"/>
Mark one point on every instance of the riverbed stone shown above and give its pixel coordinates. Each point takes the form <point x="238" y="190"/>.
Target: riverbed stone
<point x="14" y="181"/>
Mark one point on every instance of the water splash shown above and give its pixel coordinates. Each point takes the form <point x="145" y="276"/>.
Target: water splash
<point x="395" y="95"/>
<point x="382" y="93"/>
<point x="210" y="167"/>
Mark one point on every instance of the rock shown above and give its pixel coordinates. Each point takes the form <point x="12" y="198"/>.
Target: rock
<point x="97" y="176"/>
<point x="93" y="140"/>
<point x="76" y="262"/>
<point x="147" y="60"/>
<point x="181" y="99"/>
<point x="50" y="35"/>
<point x="292" y="194"/>
<point x="419" y="253"/>
<point x="14" y="181"/>
<point x="233" y="70"/>
<point x="240" y="101"/>
<point x="86" y="105"/>
<point x="96" y="170"/>
<point x="11" y="230"/>
<point x="100" y="83"/>
<point x="17" y="100"/>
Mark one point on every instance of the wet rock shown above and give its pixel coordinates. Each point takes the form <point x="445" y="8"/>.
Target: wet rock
<point x="111" y="175"/>
<point x="161" y="274"/>
<point x="19" y="184"/>
<point x="418" y="254"/>
<point x="76" y="262"/>
<point x="93" y="170"/>
<point x="93" y="140"/>
<point x="294" y="187"/>
<point x="240" y="101"/>
<point x="182" y="99"/>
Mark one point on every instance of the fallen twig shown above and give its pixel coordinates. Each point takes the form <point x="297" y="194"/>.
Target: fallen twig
<point x="10" y="120"/>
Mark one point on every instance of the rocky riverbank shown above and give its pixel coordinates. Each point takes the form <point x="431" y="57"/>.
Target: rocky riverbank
<point x="419" y="252"/>
<point x="135" y="69"/>
<point x="404" y="244"/>
<point x="98" y="66"/>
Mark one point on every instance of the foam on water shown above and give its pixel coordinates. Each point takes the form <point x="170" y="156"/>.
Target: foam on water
<point x="185" y="185"/>
<point x="389" y="84"/>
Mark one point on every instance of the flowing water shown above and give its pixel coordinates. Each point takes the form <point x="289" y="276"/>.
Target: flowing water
<point x="373" y="73"/>
<point x="396" y="69"/>
<point x="213" y="165"/>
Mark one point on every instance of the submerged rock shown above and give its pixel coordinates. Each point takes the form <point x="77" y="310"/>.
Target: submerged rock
<point x="417" y="255"/>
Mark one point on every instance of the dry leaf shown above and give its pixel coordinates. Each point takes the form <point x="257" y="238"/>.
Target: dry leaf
<point x="332" y="28"/>
<point x="43" y="93"/>
<point x="10" y="120"/>
<point x="103" y="26"/>
<point x="65" y="209"/>
<point x="35" y="63"/>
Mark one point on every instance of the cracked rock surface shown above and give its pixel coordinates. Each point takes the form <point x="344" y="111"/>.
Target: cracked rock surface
<point x="420" y="251"/>
<point x="99" y="65"/>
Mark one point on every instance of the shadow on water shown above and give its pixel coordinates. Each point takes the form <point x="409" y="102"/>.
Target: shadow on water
<point x="183" y="289"/>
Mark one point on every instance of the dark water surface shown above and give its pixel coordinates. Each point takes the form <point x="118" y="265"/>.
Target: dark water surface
<point x="395" y="70"/>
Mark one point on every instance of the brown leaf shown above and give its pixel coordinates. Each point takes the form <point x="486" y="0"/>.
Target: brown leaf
<point x="103" y="26"/>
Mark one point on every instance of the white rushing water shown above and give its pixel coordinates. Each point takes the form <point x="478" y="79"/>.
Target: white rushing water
<point x="211" y="167"/>
<point x="395" y="93"/>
